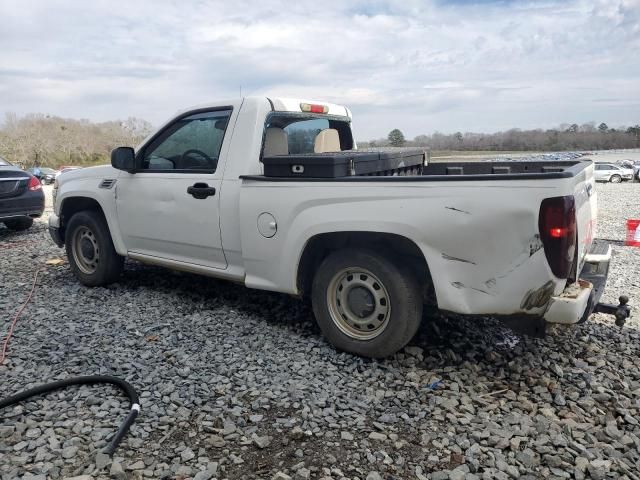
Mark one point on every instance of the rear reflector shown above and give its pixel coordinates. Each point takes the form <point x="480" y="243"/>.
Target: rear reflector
<point x="308" y="107"/>
<point x="557" y="224"/>
<point x="34" y="184"/>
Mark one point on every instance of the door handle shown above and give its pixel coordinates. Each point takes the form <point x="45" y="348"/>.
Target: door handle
<point x="201" y="191"/>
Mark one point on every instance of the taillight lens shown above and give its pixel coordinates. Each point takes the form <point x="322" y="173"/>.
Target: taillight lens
<point x="557" y="224"/>
<point x="34" y="184"/>
<point x="308" y="107"/>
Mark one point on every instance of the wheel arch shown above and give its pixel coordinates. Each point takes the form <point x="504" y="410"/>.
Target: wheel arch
<point x="398" y="247"/>
<point x="72" y="205"/>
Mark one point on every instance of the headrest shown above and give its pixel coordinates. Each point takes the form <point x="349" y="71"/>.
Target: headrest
<point x="327" y="140"/>
<point x="275" y="142"/>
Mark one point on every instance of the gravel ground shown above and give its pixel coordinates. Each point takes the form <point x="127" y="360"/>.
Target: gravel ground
<point x="239" y="384"/>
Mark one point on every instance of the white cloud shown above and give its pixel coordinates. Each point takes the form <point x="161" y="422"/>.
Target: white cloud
<point x="416" y="65"/>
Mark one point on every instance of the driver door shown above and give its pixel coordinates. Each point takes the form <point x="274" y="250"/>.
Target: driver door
<point x="169" y="208"/>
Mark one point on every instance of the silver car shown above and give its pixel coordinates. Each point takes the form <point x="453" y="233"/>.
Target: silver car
<point x="607" y="172"/>
<point x="635" y="164"/>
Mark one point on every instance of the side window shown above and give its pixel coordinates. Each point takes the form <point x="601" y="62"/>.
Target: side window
<point x="599" y="167"/>
<point x="191" y="143"/>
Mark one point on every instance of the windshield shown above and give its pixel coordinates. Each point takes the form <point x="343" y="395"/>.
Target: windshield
<point x="47" y="170"/>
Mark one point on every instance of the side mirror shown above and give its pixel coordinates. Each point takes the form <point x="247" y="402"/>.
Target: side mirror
<point x="124" y="158"/>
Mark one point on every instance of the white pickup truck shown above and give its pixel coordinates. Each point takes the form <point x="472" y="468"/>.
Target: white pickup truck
<point x="507" y="239"/>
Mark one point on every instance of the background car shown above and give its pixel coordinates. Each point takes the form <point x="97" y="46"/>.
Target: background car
<point x="21" y="197"/>
<point x="46" y="175"/>
<point x="634" y="164"/>
<point x="608" y="172"/>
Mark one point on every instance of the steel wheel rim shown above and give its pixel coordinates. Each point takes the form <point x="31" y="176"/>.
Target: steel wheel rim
<point x="359" y="303"/>
<point x="84" y="243"/>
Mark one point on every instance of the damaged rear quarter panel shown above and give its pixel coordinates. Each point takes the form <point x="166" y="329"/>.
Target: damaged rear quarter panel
<point x="538" y="297"/>
<point x="491" y="254"/>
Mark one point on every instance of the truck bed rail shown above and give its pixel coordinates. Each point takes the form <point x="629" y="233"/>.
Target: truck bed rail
<point x="458" y="172"/>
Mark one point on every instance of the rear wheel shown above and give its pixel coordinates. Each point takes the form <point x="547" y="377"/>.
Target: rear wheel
<point x="19" y="224"/>
<point x="92" y="256"/>
<point x="365" y="303"/>
<point x="615" y="179"/>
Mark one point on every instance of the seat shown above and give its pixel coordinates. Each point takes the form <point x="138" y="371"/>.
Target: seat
<point x="276" y="142"/>
<point x="327" y="140"/>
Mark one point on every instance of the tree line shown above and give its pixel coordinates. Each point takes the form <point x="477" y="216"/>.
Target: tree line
<point x="50" y="141"/>
<point x="587" y="136"/>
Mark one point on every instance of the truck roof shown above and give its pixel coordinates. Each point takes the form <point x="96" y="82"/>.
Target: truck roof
<point x="280" y="104"/>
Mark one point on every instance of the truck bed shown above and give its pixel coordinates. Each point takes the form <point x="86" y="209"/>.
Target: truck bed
<point x="460" y="171"/>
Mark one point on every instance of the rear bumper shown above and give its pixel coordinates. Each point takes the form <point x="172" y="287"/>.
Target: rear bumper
<point x="29" y="204"/>
<point x="577" y="301"/>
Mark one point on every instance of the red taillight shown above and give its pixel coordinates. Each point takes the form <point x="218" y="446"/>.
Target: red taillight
<point x="557" y="224"/>
<point x="558" y="232"/>
<point x="34" y="184"/>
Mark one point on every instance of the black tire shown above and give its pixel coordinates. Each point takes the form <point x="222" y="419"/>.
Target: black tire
<point x="19" y="224"/>
<point x="89" y="229"/>
<point x="400" y="290"/>
<point x="615" y="179"/>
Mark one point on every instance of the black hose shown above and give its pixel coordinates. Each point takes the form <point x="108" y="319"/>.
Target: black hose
<point x="88" y="380"/>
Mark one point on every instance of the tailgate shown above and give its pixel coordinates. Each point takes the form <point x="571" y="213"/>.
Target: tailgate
<point x="586" y="211"/>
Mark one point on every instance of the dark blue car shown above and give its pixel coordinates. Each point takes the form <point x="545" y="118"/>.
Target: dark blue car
<point x="21" y="197"/>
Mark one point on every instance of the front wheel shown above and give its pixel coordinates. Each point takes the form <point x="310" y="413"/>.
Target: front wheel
<point x="92" y="256"/>
<point x="365" y="303"/>
<point x="615" y="179"/>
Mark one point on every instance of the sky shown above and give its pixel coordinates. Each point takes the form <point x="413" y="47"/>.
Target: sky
<point x="417" y="65"/>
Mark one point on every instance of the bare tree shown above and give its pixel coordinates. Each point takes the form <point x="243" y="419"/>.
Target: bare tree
<point x="45" y="140"/>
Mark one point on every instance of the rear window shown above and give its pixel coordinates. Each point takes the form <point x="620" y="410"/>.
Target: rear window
<point x="301" y="130"/>
<point x="302" y="135"/>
